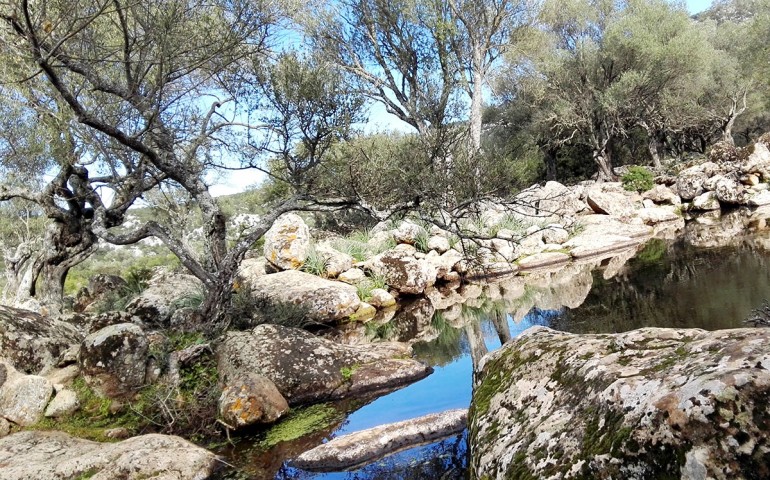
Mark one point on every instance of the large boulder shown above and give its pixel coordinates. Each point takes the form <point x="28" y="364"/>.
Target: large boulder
<point x="113" y="360"/>
<point x="404" y="272"/>
<point x="335" y="262"/>
<point x="689" y="184"/>
<point x="706" y="202"/>
<point x="308" y="369"/>
<point x="287" y="243"/>
<point x="651" y="403"/>
<point x="661" y="194"/>
<point x="407" y="232"/>
<point x="34" y="343"/>
<point x="602" y="234"/>
<point x="324" y="300"/>
<point x="156" y="304"/>
<point x="756" y="160"/>
<point x="604" y="199"/>
<point x="99" y="286"/>
<point x="23" y="398"/>
<point x="59" y="456"/>
<point x="730" y="192"/>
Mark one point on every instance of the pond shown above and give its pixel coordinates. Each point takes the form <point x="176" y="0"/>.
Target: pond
<point x="664" y="284"/>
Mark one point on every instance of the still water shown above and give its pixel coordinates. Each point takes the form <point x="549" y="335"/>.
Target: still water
<point x="662" y="285"/>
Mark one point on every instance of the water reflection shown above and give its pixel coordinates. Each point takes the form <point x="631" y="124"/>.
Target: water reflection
<point x="664" y="284"/>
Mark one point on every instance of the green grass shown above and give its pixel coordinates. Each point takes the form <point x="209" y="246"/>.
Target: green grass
<point x="365" y="287"/>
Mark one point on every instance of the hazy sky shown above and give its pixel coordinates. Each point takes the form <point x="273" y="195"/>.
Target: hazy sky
<point x="695" y="6"/>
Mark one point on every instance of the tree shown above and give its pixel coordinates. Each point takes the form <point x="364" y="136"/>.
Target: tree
<point x="609" y="68"/>
<point x="161" y="81"/>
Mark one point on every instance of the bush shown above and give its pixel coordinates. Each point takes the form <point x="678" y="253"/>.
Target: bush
<point x="638" y="179"/>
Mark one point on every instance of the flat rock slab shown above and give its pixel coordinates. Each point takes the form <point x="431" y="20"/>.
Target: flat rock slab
<point x="650" y="403"/>
<point x="325" y="300"/>
<point x="602" y="234"/>
<point x="32" y="455"/>
<point x="369" y="445"/>
<point x="307" y="369"/>
<point x="543" y="260"/>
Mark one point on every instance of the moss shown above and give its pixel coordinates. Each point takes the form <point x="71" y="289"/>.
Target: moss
<point x="87" y="474"/>
<point x="347" y="372"/>
<point x="299" y="423"/>
<point x="518" y="469"/>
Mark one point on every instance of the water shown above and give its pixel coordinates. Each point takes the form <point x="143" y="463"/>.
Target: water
<point x="664" y="285"/>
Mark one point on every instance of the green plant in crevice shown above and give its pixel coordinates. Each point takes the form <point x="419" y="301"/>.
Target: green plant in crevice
<point x="316" y="263"/>
<point x="248" y="310"/>
<point x="421" y="241"/>
<point x="364" y="288"/>
<point x="638" y="179"/>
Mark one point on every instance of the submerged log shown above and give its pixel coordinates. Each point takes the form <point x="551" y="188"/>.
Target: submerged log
<point x="359" y="448"/>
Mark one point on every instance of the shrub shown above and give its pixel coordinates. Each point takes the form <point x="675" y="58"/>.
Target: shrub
<point x="247" y="311"/>
<point x="638" y="179"/>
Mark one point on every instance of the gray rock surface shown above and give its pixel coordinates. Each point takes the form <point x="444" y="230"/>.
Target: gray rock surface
<point x="306" y="368"/>
<point x="325" y="300"/>
<point x="404" y="272"/>
<point x="650" y="403"/>
<point x="287" y="242"/>
<point x="689" y="184"/>
<point x="113" y="360"/>
<point x="64" y="403"/>
<point x="157" y="302"/>
<point x="23" y="398"/>
<point x="706" y="202"/>
<point x="369" y="445"/>
<point x="34" y="455"/>
<point x="34" y="343"/>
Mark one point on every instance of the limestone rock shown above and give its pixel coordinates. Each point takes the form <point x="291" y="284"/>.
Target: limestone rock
<point x="438" y="243"/>
<point x="324" y="300"/>
<point x="113" y="360"/>
<point x="608" y="202"/>
<point x="23" y="397"/>
<point x="64" y="403"/>
<point x="382" y="298"/>
<point x="404" y="272"/>
<point x="287" y="242"/>
<point x="756" y="160"/>
<point x="368" y="445"/>
<point x="662" y="194"/>
<point x="407" y="232"/>
<point x="59" y="456"/>
<point x="5" y="427"/>
<point x="603" y="234"/>
<point x="157" y="302"/>
<point x="706" y="202"/>
<point x="689" y="184"/>
<point x="760" y="199"/>
<point x="655" y="215"/>
<point x="352" y="276"/>
<point x="650" y="403"/>
<point x="34" y="343"/>
<point x="308" y="369"/>
<point x="730" y="192"/>
<point x="555" y="234"/>
<point x="542" y="260"/>
<point x="251" y="399"/>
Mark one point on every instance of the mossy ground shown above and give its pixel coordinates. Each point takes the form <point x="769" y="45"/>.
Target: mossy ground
<point x="300" y="422"/>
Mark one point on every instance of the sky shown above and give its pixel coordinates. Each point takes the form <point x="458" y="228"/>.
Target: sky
<point x="379" y="120"/>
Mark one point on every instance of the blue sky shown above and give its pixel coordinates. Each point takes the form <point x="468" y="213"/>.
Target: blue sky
<point x="695" y="6"/>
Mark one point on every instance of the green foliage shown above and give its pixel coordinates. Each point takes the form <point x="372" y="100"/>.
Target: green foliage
<point x="638" y="179"/>
<point x="364" y="288"/>
<point x="137" y="280"/>
<point x="315" y="263"/>
<point x="248" y="310"/>
<point x="121" y="262"/>
<point x="347" y="372"/>
<point x="421" y="241"/>
<point x="301" y="422"/>
<point x="653" y="251"/>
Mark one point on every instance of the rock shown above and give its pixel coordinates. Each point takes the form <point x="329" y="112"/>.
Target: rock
<point x="57" y="455"/>
<point x="5" y="427"/>
<point x="706" y="202"/>
<point x="251" y="399"/>
<point x="760" y="199"/>
<point x="63" y="376"/>
<point x="34" y="343"/>
<point x="730" y="192"/>
<point x="603" y="234"/>
<point x="324" y="300"/>
<point x="608" y="202"/>
<point x="404" y="272"/>
<point x="407" y="232"/>
<point x="366" y="446"/>
<point x="64" y="403"/>
<point x="662" y="194"/>
<point x="250" y="269"/>
<point x="650" y="403"/>
<point x="352" y="276"/>
<point x="555" y="234"/>
<point x="723" y="152"/>
<point x="287" y="242"/>
<point x="157" y="302"/>
<point x="543" y="260"/>
<point x="308" y="369"/>
<point x="438" y="243"/>
<point x="381" y="298"/>
<point x="23" y="397"/>
<point x="690" y="184"/>
<point x="656" y="215"/>
<point x="113" y="360"/>
<point x="118" y="433"/>
<point x="756" y="160"/>
<point x="336" y="262"/>
<point x="98" y="287"/>
<point x="364" y="313"/>
<point x="554" y="199"/>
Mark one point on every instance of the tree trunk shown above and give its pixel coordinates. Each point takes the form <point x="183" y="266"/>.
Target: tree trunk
<point x="549" y="156"/>
<point x="477" y="346"/>
<point x="500" y="321"/>
<point x="603" y="160"/>
<point x="476" y="107"/>
<point x="653" y="146"/>
<point x="216" y="304"/>
<point x="51" y="287"/>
